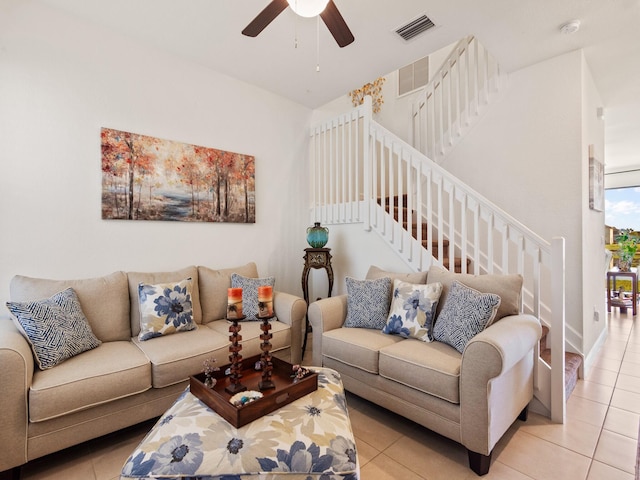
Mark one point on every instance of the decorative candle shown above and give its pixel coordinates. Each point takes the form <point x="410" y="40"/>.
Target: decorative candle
<point x="234" y="303"/>
<point x="265" y="301"/>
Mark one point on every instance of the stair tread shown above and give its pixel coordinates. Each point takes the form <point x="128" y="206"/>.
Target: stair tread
<point x="435" y="244"/>
<point x="572" y="361"/>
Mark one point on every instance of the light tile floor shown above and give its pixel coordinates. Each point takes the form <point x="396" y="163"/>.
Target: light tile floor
<point x="598" y="440"/>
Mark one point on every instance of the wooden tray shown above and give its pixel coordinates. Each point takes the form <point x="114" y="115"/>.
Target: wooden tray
<point x="285" y="391"/>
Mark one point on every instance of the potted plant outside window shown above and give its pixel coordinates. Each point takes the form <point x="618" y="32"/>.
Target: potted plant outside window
<point x="627" y="247"/>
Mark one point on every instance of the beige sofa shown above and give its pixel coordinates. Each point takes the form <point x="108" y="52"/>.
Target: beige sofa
<point x="124" y="380"/>
<point x="471" y="397"/>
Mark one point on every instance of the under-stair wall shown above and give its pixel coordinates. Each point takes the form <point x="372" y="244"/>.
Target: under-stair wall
<point x="356" y="163"/>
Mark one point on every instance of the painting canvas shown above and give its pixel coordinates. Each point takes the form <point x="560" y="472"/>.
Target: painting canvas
<point x="147" y="178"/>
<point x="596" y="182"/>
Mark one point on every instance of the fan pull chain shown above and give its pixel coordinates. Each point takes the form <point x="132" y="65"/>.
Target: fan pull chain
<point x="318" y="43"/>
<point x="295" y="30"/>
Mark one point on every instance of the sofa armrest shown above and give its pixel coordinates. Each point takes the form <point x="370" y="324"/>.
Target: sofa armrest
<point x="496" y="380"/>
<point x="291" y="310"/>
<point x="15" y="377"/>
<point x="324" y="315"/>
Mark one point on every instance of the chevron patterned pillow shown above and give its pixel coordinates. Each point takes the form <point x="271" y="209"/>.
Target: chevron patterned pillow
<point x="249" y="288"/>
<point x="56" y="327"/>
<point x="465" y="313"/>
<point x="368" y="302"/>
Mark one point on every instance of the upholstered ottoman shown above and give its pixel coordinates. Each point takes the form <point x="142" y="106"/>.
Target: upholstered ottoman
<point x="309" y="438"/>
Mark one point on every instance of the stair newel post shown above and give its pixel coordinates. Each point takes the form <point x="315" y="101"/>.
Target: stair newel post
<point x="558" y="394"/>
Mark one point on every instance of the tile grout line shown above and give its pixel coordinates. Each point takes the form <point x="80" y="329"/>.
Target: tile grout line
<point x="610" y="400"/>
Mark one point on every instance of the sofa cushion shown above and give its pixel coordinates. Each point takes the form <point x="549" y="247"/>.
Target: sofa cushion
<point x="175" y="357"/>
<point x="104" y="300"/>
<point x="432" y="368"/>
<point x="466" y="312"/>
<point x="508" y="287"/>
<point x="368" y="302"/>
<point x="410" y="277"/>
<point x="136" y="278"/>
<point x="165" y="308"/>
<point x="55" y="327"/>
<point x="413" y="310"/>
<point x="357" y="347"/>
<point x="249" y="288"/>
<point x="112" y="371"/>
<point x="213" y="289"/>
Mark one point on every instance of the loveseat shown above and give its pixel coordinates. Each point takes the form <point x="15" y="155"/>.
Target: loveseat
<point x="124" y="378"/>
<point x="470" y="392"/>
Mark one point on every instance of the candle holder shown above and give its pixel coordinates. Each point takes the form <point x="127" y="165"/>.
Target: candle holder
<point x="235" y="385"/>
<point x="265" y="357"/>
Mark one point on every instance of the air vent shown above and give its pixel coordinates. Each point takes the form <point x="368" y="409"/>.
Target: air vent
<point x="415" y="27"/>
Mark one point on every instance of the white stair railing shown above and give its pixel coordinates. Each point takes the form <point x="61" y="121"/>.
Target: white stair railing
<point x="454" y="98"/>
<point x="362" y="173"/>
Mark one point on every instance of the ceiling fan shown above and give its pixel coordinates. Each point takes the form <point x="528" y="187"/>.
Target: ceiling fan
<point x="306" y="8"/>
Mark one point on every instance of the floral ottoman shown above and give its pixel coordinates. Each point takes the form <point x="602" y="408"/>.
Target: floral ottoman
<point x="307" y="439"/>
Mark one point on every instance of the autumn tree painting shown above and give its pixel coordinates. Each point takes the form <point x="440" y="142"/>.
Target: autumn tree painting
<point x="146" y="178"/>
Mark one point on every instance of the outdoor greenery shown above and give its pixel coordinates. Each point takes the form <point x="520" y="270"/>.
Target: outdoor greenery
<point x="627" y="241"/>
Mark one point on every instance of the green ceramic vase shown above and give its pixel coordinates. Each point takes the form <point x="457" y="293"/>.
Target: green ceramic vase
<point x="317" y="236"/>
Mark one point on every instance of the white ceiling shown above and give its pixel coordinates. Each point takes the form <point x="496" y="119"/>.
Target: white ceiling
<point x="517" y="33"/>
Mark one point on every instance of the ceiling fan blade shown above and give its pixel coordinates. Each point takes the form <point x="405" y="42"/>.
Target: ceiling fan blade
<point x="265" y="17"/>
<point x="336" y="25"/>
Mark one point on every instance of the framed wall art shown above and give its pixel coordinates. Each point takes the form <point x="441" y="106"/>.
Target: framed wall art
<point x="148" y="178"/>
<point x="596" y="182"/>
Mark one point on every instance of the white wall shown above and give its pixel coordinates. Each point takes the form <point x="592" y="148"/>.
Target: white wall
<point x="593" y="260"/>
<point x="527" y="156"/>
<point x="61" y="80"/>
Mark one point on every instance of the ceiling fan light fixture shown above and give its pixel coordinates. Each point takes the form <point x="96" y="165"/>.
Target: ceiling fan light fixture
<point x="308" y="8"/>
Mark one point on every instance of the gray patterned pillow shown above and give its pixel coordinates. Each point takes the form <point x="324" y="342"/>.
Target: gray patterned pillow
<point x="465" y="313"/>
<point x="249" y="288"/>
<point x="56" y="327"/>
<point x="368" y="302"/>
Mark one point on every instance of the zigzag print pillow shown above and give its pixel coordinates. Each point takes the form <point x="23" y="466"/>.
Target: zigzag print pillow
<point x="368" y="302"/>
<point x="56" y="327"/>
<point x="465" y="313"/>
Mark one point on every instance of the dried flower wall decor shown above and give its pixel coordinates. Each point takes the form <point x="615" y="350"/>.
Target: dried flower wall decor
<point x="374" y="89"/>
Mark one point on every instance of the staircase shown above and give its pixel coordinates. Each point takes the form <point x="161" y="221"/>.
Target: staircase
<point x="572" y="363"/>
<point x="362" y="173"/>
<point x="435" y="245"/>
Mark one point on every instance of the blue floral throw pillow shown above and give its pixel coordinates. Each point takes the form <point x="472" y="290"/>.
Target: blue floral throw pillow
<point x="249" y="288"/>
<point x="367" y="302"/>
<point x="413" y="309"/>
<point x="56" y="327"/>
<point x="165" y="308"/>
<point x="465" y="313"/>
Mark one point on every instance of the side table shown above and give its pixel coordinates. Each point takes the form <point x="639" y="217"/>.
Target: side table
<point x="314" y="258"/>
<point x="611" y="278"/>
